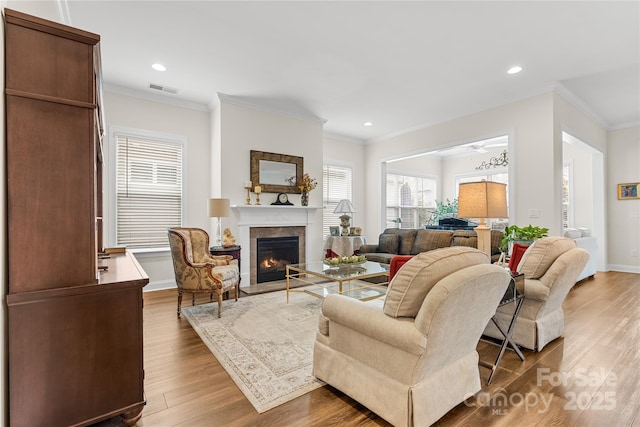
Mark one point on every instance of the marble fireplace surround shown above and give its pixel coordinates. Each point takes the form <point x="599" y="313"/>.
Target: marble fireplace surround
<point x="270" y="221"/>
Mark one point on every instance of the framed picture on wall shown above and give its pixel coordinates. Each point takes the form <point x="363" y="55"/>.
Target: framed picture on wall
<point x="628" y="191"/>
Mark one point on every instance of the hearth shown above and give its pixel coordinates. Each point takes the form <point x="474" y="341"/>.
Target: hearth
<point x="273" y="255"/>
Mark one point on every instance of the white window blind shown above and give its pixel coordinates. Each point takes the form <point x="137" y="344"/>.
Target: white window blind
<point x="409" y="199"/>
<point x="148" y="190"/>
<point x="336" y="185"/>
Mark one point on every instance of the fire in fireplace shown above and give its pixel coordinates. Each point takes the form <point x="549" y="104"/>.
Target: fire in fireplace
<point x="273" y="256"/>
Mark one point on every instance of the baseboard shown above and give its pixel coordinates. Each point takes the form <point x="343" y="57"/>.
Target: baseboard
<point x="624" y="268"/>
<point x="160" y="285"/>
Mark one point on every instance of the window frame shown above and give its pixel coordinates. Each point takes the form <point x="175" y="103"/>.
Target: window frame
<point x="386" y="206"/>
<point x="325" y="206"/>
<point x="111" y="190"/>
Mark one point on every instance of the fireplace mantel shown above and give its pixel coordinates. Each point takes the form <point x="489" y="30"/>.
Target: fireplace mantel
<point x="259" y="215"/>
<point x="268" y="216"/>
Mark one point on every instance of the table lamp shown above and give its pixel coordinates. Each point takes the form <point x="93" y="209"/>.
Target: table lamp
<point x="344" y="207"/>
<point x="482" y="200"/>
<point x="219" y="208"/>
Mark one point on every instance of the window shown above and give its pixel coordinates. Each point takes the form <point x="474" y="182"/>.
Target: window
<point x="409" y="199"/>
<point x="148" y="188"/>
<point x="336" y="185"/>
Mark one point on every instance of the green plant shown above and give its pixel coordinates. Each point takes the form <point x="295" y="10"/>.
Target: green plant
<point x="529" y="233"/>
<point x="444" y="210"/>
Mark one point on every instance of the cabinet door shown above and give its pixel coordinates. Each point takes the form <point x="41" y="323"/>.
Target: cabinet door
<point x="75" y="358"/>
<point x="51" y="209"/>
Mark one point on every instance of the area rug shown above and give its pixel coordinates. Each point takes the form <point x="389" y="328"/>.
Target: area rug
<point x="265" y="344"/>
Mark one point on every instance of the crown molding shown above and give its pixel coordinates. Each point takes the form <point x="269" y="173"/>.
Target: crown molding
<point x="163" y="99"/>
<point x="242" y="102"/>
<point x="577" y="102"/>
<point x="624" y="126"/>
<point x="63" y="10"/>
<point x="343" y="138"/>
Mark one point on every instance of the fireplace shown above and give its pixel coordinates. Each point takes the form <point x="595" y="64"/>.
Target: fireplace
<point x="273" y="255"/>
<point x="262" y="221"/>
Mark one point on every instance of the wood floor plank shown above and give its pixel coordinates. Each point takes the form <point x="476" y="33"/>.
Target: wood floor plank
<point x="186" y="386"/>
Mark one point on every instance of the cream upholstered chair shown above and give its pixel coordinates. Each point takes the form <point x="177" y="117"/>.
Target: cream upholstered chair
<point x="550" y="267"/>
<point x="412" y="358"/>
<point x="196" y="270"/>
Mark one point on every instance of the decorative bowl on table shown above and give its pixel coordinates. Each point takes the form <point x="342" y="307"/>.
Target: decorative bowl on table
<point x="345" y="261"/>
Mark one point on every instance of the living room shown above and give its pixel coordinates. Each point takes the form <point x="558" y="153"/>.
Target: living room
<point x="534" y="125"/>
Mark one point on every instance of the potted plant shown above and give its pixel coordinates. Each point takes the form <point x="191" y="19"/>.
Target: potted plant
<point x="448" y="209"/>
<point x="515" y="234"/>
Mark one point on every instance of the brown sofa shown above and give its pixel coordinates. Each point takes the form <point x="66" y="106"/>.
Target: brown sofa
<point x="412" y="241"/>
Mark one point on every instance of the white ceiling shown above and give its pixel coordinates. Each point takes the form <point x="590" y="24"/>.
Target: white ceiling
<point x="400" y="65"/>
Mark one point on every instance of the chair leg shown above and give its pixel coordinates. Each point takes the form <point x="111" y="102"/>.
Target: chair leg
<point x="220" y="304"/>
<point x="193" y="298"/>
<point x="237" y="290"/>
<point x="179" y="302"/>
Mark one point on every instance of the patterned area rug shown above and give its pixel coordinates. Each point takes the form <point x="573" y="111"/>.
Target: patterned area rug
<point x="265" y="344"/>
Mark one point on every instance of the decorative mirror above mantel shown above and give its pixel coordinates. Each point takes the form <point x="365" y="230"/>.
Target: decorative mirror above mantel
<point x="272" y="171"/>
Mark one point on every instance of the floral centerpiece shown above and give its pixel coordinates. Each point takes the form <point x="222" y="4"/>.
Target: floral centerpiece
<point x="304" y="184"/>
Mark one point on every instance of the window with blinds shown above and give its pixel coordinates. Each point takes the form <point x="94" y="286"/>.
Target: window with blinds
<point x="148" y="190"/>
<point x="409" y="200"/>
<point x="337" y="184"/>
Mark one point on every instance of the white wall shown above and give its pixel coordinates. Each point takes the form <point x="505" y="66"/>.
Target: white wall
<point x="567" y="118"/>
<point x="531" y="166"/>
<point x="242" y="129"/>
<point x="464" y="166"/>
<point x="623" y="216"/>
<point x="127" y="111"/>
<point x="582" y="202"/>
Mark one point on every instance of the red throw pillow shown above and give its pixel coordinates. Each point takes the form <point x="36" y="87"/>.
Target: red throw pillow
<point x="397" y="262"/>
<point x="516" y="255"/>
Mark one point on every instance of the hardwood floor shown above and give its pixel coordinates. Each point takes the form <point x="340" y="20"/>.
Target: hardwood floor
<point x="599" y="356"/>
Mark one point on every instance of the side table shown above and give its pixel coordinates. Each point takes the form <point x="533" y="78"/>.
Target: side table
<point x="343" y="245"/>
<point x="515" y="295"/>
<point x="234" y="251"/>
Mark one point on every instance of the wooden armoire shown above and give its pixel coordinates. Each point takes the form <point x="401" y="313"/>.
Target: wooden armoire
<point x="74" y="320"/>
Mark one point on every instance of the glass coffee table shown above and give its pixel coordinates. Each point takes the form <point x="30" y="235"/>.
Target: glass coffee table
<point x="345" y="279"/>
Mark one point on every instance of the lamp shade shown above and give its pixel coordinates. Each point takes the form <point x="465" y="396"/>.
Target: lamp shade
<point x="482" y="199"/>
<point x="344" y="206"/>
<point x="219" y="207"/>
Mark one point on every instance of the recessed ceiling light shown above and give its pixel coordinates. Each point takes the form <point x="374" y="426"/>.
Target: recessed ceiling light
<point x="368" y="124"/>
<point x="514" y="70"/>
<point x="159" y="67"/>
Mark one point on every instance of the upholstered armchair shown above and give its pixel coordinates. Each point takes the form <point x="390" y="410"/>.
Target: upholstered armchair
<point x="550" y="267"/>
<point x="196" y="270"/>
<point x="412" y="358"/>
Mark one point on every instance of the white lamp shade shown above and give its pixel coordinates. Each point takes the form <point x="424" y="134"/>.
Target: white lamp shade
<point x="219" y="207"/>
<point x="482" y="199"/>
<point x="344" y="206"/>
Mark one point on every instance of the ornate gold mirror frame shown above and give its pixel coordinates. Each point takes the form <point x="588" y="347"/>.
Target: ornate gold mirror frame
<point x="271" y="171"/>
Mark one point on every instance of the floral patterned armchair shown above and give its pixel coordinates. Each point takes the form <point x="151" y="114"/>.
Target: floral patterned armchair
<point x="196" y="270"/>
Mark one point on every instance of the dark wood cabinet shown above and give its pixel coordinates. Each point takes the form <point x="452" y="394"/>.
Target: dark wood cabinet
<point x="74" y="329"/>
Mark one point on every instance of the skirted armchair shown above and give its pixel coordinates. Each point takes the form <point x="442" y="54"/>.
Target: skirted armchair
<point x="550" y="266"/>
<point x="196" y="270"/>
<point x="413" y="358"/>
